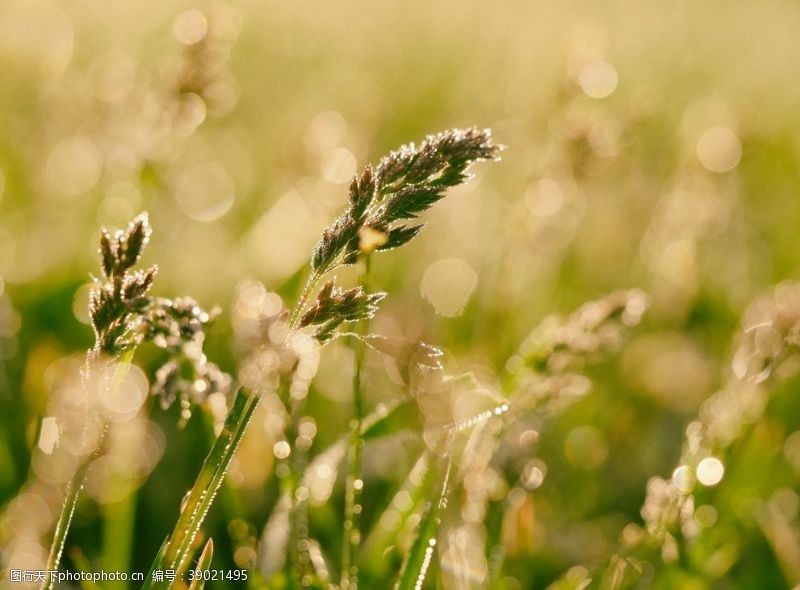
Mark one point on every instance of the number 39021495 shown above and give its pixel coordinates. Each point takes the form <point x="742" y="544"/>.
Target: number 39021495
<point x="211" y="575"/>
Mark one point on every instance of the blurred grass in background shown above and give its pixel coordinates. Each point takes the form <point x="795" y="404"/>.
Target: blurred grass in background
<point x="650" y="145"/>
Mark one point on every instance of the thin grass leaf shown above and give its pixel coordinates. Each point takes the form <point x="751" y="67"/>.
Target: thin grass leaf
<point x="113" y="306"/>
<point x="158" y="561"/>
<point x="405" y="502"/>
<point x="415" y="568"/>
<point x="239" y="424"/>
<point x="203" y="564"/>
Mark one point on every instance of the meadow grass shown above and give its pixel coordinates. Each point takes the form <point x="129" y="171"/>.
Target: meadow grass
<point x="650" y="147"/>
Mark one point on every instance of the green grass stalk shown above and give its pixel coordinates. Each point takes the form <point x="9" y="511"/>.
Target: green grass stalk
<point x="415" y="568"/>
<point x="354" y="483"/>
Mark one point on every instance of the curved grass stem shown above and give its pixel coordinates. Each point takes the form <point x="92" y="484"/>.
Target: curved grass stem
<point x="62" y="526"/>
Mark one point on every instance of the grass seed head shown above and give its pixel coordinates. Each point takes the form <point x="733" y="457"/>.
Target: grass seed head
<point x="335" y="306"/>
<point x="125" y="315"/>
<point x="405" y="183"/>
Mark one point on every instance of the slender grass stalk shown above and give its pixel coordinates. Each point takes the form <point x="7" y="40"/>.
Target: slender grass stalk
<point x="72" y="493"/>
<point x="291" y="563"/>
<point x="119" y="516"/>
<point x="415" y="568"/>
<point x="380" y="549"/>
<point x="64" y="521"/>
<point x="354" y="484"/>
<point x="177" y="550"/>
<point x="298" y="563"/>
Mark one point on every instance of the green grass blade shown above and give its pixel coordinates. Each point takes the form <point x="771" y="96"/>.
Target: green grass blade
<point x="63" y="524"/>
<point x="380" y="554"/>
<point x="157" y="561"/>
<point x="203" y="564"/>
<point x="415" y="568"/>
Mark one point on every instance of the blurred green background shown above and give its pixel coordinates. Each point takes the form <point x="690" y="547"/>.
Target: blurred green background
<point x="650" y="145"/>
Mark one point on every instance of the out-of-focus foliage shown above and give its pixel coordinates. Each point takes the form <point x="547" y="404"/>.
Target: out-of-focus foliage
<point x="650" y="146"/>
